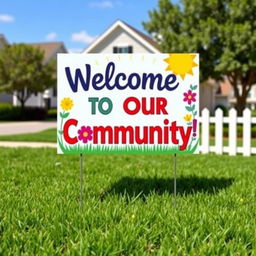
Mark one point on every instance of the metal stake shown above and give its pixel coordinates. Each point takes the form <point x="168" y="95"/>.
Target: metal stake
<point x="174" y="182"/>
<point x="81" y="182"/>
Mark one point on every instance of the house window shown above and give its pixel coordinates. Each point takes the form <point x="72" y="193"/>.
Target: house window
<point x="122" y="49"/>
<point x="54" y="92"/>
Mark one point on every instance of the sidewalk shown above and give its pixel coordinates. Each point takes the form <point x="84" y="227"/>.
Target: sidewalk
<point x="17" y="144"/>
<point x="10" y="128"/>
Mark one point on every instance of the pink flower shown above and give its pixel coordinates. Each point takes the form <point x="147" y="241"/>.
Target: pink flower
<point x="189" y="97"/>
<point x="85" y="134"/>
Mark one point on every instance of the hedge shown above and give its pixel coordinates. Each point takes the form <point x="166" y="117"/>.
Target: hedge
<point x="14" y="113"/>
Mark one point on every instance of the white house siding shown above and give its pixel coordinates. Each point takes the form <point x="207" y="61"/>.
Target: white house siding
<point x="5" y="97"/>
<point x="207" y="97"/>
<point x="38" y="100"/>
<point x="119" y="37"/>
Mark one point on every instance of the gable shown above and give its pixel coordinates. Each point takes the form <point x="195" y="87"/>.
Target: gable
<point x="122" y="35"/>
<point x="50" y="49"/>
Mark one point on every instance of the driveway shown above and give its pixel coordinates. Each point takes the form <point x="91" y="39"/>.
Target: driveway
<point x="25" y="127"/>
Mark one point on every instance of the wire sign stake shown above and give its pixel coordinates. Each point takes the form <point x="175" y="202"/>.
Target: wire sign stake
<point x="174" y="181"/>
<point x="81" y="182"/>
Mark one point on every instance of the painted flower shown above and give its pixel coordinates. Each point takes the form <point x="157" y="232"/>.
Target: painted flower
<point x="188" y="117"/>
<point x="85" y="134"/>
<point x="66" y="104"/>
<point x="189" y="97"/>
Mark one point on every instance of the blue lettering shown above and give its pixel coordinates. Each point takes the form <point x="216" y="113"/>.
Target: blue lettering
<point x="134" y="80"/>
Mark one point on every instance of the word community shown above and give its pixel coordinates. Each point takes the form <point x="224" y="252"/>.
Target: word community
<point x="177" y="135"/>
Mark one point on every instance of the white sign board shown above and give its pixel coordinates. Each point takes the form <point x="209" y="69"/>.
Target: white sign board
<point x="128" y="103"/>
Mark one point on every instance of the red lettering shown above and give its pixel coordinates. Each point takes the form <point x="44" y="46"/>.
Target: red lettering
<point x="126" y="107"/>
<point x="67" y="138"/>
<point x="148" y="106"/>
<point x="101" y="132"/>
<point x="160" y="106"/>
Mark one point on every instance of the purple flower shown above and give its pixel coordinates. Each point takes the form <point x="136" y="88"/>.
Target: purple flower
<point x="85" y="134"/>
<point x="189" y="97"/>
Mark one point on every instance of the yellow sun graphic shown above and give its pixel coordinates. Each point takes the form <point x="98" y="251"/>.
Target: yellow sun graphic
<point x="181" y="64"/>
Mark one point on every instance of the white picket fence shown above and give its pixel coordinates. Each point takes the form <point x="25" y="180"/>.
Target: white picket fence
<point x="232" y="149"/>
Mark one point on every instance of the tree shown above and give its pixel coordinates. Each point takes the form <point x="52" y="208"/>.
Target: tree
<point x="22" y="71"/>
<point x="222" y="31"/>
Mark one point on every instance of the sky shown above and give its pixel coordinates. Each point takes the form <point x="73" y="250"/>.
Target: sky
<point x="75" y="22"/>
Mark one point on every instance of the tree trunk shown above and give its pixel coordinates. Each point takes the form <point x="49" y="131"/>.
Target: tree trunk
<point x="241" y="96"/>
<point x="240" y="105"/>
<point x="22" y="105"/>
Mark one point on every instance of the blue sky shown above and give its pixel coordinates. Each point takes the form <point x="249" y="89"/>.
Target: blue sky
<point x="75" y="22"/>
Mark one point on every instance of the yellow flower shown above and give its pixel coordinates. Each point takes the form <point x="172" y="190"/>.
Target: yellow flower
<point x="67" y="104"/>
<point x="188" y="117"/>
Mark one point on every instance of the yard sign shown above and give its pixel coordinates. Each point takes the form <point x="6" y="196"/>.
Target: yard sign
<point x="132" y="103"/>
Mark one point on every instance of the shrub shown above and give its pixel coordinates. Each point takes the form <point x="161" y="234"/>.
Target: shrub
<point x="239" y="130"/>
<point x="52" y="113"/>
<point x="5" y="105"/>
<point x="13" y="113"/>
<point x="223" y="108"/>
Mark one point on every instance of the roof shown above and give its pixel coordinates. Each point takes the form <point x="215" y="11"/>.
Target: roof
<point x="144" y="36"/>
<point x="3" y="39"/>
<point x="225" y="87"/>
<point x="147" y="41"/>
<point x="50" y="49"/>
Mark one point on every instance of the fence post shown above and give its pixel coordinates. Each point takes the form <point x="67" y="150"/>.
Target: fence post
<point x="219" y="131"/>
<point x="205" y="131"/>
<point x="232" y="134"/>
<point x="247" y="132"/>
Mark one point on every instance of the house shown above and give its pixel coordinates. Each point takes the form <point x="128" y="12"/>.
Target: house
<point x="123" y="38"/>
<point x="48" y="98"/>
<point x="225" y="96"/>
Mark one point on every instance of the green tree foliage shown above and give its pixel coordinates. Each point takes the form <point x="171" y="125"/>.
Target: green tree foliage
<point x="222" y="31"/>
<point x="23" y="71"/>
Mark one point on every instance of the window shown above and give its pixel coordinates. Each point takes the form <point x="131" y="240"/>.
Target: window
<point x="122" y="49"/>
<point x="54" y="91"/>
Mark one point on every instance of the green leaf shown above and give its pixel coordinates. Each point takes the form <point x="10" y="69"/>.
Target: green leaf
<point x="64" y="115"/>
<point x="60" y="132"/>
<point x="189" y="123"/>
<point x="193" y="87"/>
<point x="195" y="113"/>
<point x="189" y="109"/>
<point x="193" y="108"/>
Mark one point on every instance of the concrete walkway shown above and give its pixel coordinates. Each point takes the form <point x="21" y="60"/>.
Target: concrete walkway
<point x="17" y="144"/>
<point x="10" y="128"/>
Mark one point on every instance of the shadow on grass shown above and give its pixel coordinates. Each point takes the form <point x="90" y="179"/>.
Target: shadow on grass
<point x="185" y="185"/>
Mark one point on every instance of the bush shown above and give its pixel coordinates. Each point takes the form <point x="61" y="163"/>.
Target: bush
<point x="254" y="112"/>
<point x="12" y="113"/>
<point x="52" y="113"/>
<point x="239" y="130"/>
<point x="5" y="105"/>
<point x="223" y="108"/>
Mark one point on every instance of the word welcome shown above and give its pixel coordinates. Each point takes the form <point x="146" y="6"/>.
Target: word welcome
<point x="134" y="135"/>
<point x="120" y="81"/>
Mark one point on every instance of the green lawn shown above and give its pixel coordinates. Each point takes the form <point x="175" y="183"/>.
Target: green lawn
<point x="49" y="135"/>
<point x="128" y="206"/>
